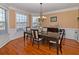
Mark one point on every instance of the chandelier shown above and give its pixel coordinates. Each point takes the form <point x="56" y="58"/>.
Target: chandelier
<point x="41" y="18"/>
<point x="41" y="11"/>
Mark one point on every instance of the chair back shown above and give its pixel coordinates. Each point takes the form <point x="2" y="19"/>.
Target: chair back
<point x="61" y="35"/>
<point x="28" y="29"/>
<point x="35" y="34"/>
<point x="44" y="29"/>
<point x="40" y="29"/>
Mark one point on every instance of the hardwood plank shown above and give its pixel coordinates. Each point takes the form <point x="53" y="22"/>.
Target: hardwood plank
<point x="16" y="47"/>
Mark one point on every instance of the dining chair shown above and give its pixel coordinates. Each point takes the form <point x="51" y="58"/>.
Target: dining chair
<point x="44" y="30"/>
<point x="28" y="29"/>
<point x="40" y="29"/>
<point x="35" y="37"/>
<point x="60" y="40"/>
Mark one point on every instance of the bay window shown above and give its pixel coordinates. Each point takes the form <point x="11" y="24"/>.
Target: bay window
<point x="21" y="21"/>
<point x="2" y="20"/>
<point x="35" y="22"/>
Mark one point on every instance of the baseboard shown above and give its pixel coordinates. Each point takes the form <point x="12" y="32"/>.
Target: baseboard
<point x="4" y="43"/>
<point x="15" y="36"/>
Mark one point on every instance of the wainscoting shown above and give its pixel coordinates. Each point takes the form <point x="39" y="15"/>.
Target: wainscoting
<point x="13" y="34"/>
<point x="71" y="33"/>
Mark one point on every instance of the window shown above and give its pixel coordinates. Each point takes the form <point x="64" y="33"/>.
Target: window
<point x="35" y="22"/>
<point x="2" y="19"/>
<point x="21" y="21"/>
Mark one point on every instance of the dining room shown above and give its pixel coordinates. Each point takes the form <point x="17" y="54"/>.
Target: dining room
<point x="39" y="29"/>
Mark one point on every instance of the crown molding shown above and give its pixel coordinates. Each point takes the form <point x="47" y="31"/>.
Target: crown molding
<point x="4" y="7"/>
<point x="19" y="10"/>
<point x="62" y="10"/>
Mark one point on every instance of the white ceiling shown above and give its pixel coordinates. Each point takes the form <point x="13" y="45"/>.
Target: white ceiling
<point x="35" y="7"/>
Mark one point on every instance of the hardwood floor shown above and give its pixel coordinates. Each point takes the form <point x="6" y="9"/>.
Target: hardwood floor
<point x="16" y="47"/>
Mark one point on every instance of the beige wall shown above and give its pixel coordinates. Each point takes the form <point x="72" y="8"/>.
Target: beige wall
<point x="12" y="18"/>
<point x="78" y="19"/>
<point x="67" y="19"/>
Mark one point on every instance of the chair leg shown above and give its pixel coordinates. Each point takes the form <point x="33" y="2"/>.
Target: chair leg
<point x="61" y="49"/>
<point x="57" y="49"/>
<point x="30" y="37"/>
<point x="38" y="44"/>
<point x="32" y="42"/>
<point x="24" y="41"/>
<point x="24" y="38"/>
<point x="49" y="46"/>
<point x="42" y="41"/>
<point x="63" y="41"/>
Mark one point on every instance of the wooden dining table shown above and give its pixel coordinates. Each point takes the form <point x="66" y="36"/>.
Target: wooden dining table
<point x="53" y="35"/>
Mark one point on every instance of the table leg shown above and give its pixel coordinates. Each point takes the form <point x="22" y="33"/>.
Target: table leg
<point x="24" y="38"/>
<point x="57" y="48"/>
